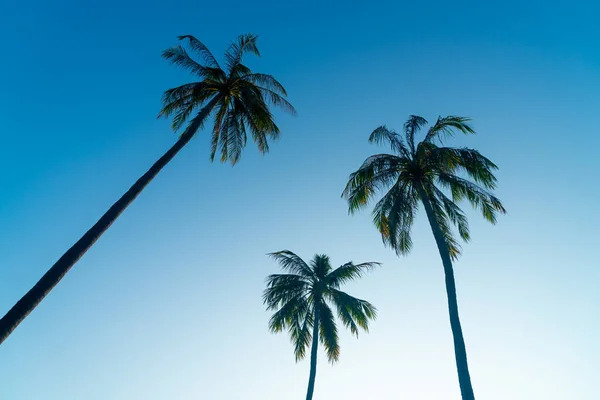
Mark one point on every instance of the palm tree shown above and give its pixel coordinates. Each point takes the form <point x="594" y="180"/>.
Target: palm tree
<point x="240" y="101"/>
<point x="302" y="299"/>
<point x="421" y="172"/>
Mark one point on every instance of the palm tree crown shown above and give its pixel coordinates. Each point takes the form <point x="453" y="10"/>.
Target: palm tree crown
<point x="421" y="171"/>
<point x="239" y="97"/>
<point x="307" y="291"/>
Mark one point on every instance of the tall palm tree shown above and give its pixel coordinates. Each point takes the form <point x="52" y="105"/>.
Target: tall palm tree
<point x="421" y="172"/>
<point x="302" y="299"/>
<point x="240" y="101"/>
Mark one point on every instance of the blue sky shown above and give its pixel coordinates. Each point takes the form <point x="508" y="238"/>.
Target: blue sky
<point x="168" y="303"/>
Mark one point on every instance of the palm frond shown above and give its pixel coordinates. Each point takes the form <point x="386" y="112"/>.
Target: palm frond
<point x="479" y="198"/>
<point x="297" y="316"/>
<point x="266" y="81"/>
<point x="239" y="139"/>
<point x="473" y="163"/>
<point x="245" y="44"/>
<point x="321" y="266"/>
<point x="175" y="98"/>
<point x="232" y="139"/>
<point x="454" y="248"/>
<point x="455" y="214"/>
<point x="328" y="332"/>
<point x="258" y="134"/>
<point x="239" y="70"/>
<point x="282" y="288"/>
<point x="186" y="96"/>
<point x="383" y="134"/>
<point x="277" y="100"/>
<point x="376" y="173"/>
<point x="218" y="126"/>
<point x="292" y="263"/>
<point x="255" y="113"/>
<point x="288" y="314"/>
<point x="393" y="216"/>
<point x="301" y="336"/>
<point x="447" y="126"/>
<point x="202" y="50"/>
<point x="353" y="312"/>
<point x="182" y="116"/>
<point x="178" y="55"/>
<point x="349" y="272"/>
<point x="412" y="126"/>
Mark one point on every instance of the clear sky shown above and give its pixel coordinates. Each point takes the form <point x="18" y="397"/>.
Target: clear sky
<point x="167" y="305"/>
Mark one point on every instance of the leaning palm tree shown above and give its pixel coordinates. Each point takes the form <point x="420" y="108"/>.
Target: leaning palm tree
<point x="240" y="101"/>
<point x="439" y="177"/>
<point x="302" y="299"/>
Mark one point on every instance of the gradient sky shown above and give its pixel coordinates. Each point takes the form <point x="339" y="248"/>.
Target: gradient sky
<point x="167" y="305"/>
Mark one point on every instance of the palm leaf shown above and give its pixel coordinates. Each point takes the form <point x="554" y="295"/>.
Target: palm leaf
<point x="178" y="55"/>
<point x="412" y="126"/>
<point x="474" y="164"/>
<point x="218" y="126"/>
<point x="454" y="248"/>
<point x="321" y="266"/>
<point x="349" y="272"/>
<point x="292" y="263"/>
<point x="245" y="44"/>
<point x="393" y="216"/>
<point x="287" y="315"/>
<point x="301" y="335"/>
<point x="353" y="312"/>
<point x="447" y="126"/>
<point x="202" y="50"/>
<point x="277" y="100"/>
<point x="282" y="288"/>
<point x="266" y="81"/>
<point x="328" y="333"/>
<point x="256" y="114"/>
<point x="455" y="214"/>
<point x="235" y="139"/>
<point x="479" y="198"/>
<point x="377" y="172"/>
<point x="383" y="134"/>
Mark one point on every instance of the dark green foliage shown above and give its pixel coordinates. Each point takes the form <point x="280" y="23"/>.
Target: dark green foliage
<point x="431" y="166"/>
<point x="419" y="173"/>
<point x="296" y="296"/>
<point x="243" y="97"/>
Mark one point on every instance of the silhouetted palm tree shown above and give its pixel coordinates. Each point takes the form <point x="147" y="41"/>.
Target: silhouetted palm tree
<point x="302" y="299"/>
<point x="240" y="100"/>
<point x="421" y="172"/>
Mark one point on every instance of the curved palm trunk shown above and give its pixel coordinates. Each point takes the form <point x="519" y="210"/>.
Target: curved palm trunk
<point x="313" y="356"/>
<point x="460" y="351"/>
<point x="35" y="295"/>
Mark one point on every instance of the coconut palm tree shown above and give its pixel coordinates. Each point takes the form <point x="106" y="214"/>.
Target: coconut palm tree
<point x="303" y="300"/>
<point x="240" y="101"/>
<point x="438" y="177"/>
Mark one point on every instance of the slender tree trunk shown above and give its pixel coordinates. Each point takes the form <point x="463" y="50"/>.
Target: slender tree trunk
<point x="35" y="295"/>
<point x="460" y="351"/>
<point x="313" y="356"/>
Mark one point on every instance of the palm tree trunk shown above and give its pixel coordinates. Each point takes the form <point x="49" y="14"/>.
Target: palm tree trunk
<point x="35" y="295"/>
<point x="460" y="351"/>
<point x="313" y="356"/>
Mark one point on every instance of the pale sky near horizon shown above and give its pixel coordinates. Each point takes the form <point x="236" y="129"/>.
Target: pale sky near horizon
<point x="167" y="304"/>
